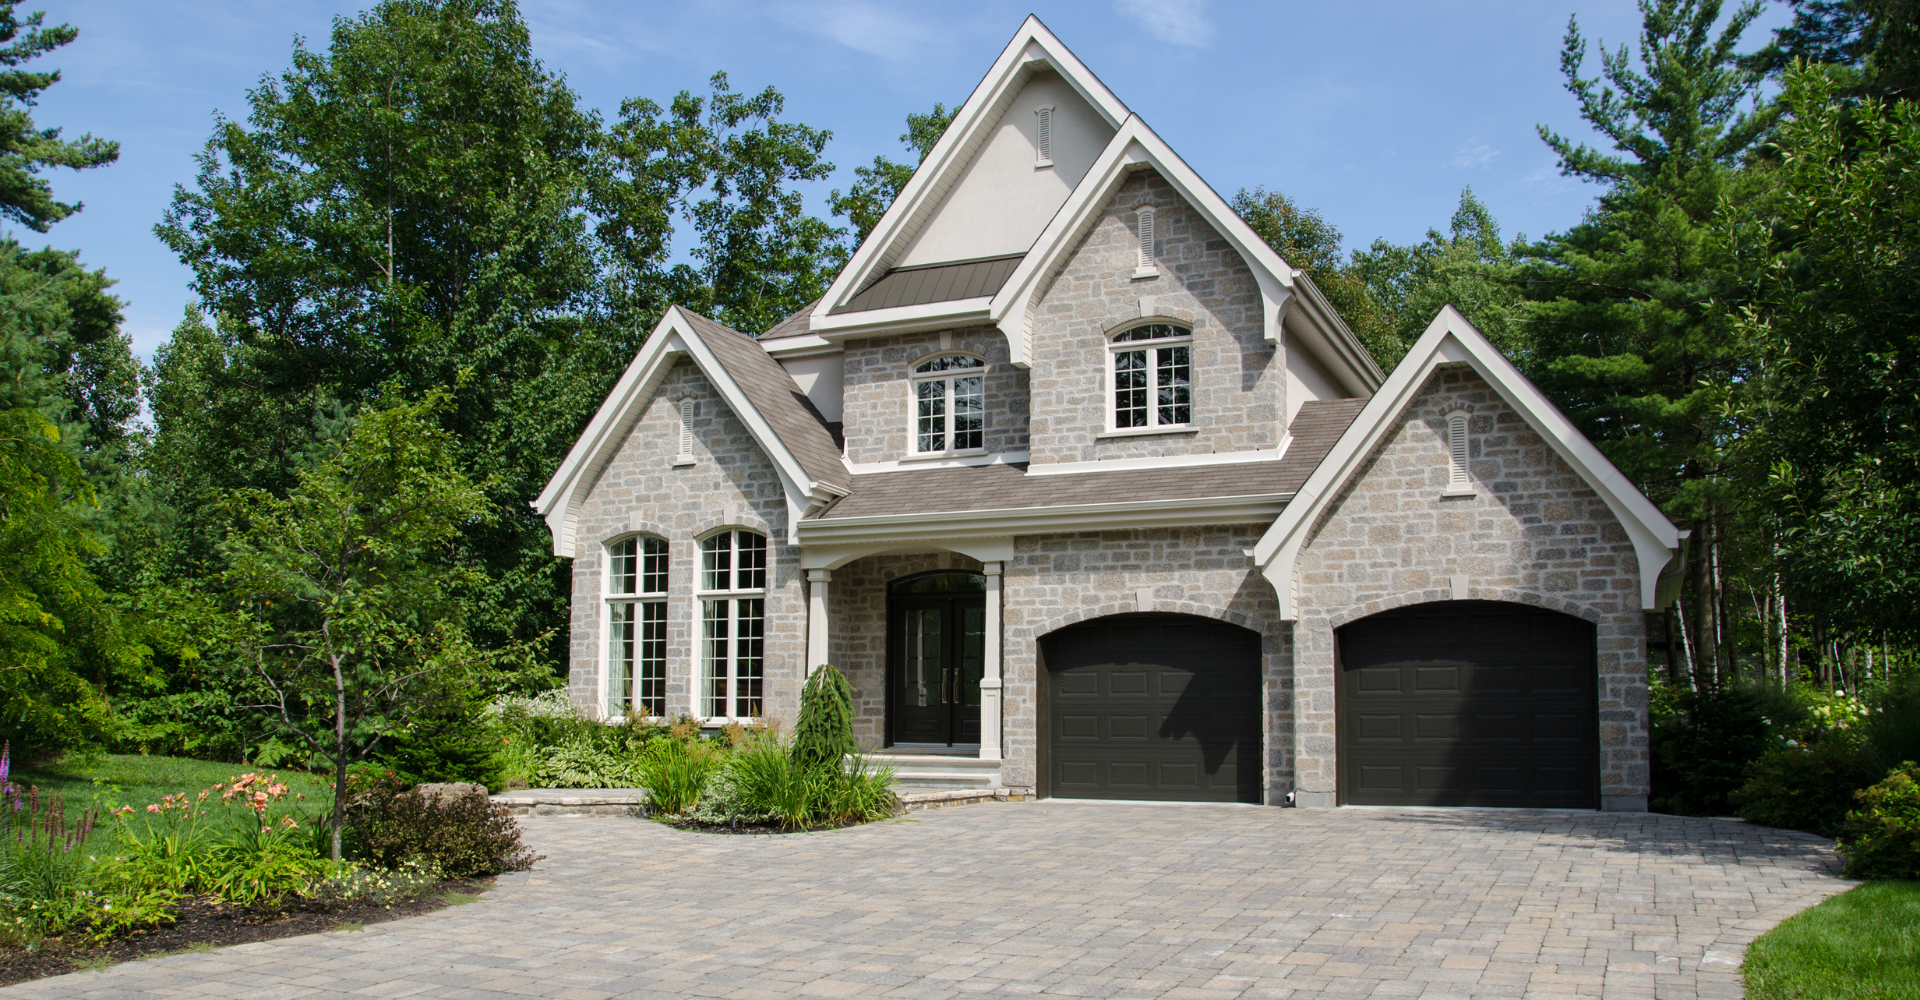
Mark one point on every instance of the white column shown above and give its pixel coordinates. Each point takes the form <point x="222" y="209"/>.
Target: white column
<point x="818" y="649"/>
<point x="990" y="675"/>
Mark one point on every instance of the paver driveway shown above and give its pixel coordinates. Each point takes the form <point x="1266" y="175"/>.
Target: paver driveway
<point x="1080" y="899"/>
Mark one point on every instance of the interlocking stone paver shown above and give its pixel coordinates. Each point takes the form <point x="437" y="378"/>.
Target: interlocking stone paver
<point x="1069" y="899"/>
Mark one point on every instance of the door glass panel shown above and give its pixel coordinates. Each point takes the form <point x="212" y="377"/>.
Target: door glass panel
<point x="973" y="653"/>
<point x="923" y="655"/>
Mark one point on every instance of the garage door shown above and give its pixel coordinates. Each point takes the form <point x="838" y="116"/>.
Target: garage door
<point x="1469" y="703"/>
<point x="1158" y="707"/>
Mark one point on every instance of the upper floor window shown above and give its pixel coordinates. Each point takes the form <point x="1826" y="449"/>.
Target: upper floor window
<point x="949" y="404"/>
<point x="1152" y="377"/>
<point x="733" y="625"/>
<point x="637" y="627"/>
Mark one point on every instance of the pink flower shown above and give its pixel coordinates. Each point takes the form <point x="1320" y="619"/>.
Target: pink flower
<point x="153" y="808"/>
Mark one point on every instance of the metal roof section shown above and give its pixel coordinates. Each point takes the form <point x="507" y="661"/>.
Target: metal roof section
<point x="924" y="283"/>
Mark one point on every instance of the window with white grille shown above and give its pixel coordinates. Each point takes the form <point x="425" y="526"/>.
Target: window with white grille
<point x="733" y="625"/>
<point x="949" y="404"/>
<point x="637" y="627"/>
<point x="1043" y="146"/>
<point x="1152" y="383"/>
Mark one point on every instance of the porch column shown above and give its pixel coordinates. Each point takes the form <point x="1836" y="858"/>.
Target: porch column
<point x="990" y="675"/>
<point x="818" y="649"/>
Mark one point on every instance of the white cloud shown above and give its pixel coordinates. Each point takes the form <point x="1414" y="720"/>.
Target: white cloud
<point x="1176" y="22"/>
<point x="889" y="31"/>
<point x="1475" y="154"/>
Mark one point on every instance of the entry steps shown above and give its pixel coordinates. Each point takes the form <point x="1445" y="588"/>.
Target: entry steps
<point x="915" y="772"/>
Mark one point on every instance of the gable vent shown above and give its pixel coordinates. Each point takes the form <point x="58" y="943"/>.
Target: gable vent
<point x="1457" y="481"/>
<point x="1045" y="134"/>
<point x="686" y="430"/>
<point x="1146" y="237"/>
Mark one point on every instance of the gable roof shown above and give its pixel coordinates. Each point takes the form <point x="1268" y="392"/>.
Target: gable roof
<point x="1032" y="50"/>
<point x="759" y="392"/>
<point x="1450" y="338"/>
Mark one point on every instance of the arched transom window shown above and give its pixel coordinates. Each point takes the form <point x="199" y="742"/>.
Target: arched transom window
<point x="1152" y="383"/>
<point x="949" y="405"/>
<point x="733" y="625"/>
<point x="637" y="627"/>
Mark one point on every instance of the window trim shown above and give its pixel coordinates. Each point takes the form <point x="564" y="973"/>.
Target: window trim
<point x="732" y="598"/>
<point x="916" y="378"/>
<point x="1116" y="346"/>
<point x="638" y="598"/>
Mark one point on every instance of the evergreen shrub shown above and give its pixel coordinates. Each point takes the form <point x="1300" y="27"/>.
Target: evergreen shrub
<point x="825" y="730"/>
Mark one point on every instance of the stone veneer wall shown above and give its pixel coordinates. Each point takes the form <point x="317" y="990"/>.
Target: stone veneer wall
<point x="1238" y="378"/>
<point x="1057" y="580"/>
<point x="877" y="393"/>
<point x="857" y="607"/>
<point x="1533" y="532"/>
<point x="730" y="482"/>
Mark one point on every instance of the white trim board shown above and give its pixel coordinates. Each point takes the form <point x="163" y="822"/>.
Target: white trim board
<point x="1450" y="338"/>
<point x="1039" y="520"/>
<point x="673" y="338"/>
<point x="1158" y="462"/>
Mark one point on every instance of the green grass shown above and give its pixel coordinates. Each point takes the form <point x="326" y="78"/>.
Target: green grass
<point x="137" y="779"/>
<point x="459" y="898"/>
<point x="1862" y="943"/>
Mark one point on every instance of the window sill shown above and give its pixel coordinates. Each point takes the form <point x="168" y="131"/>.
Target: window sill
<point x="934" y="456"/>
<point x="1042" y="164"/>
<point x="1458" y="491"/>
<point x="1130" y="432"/>
<point x="682" y="461"/>
<point x="1145" y="272"/>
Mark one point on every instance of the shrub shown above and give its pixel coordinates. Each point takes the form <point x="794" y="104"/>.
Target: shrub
<point x="1890" y="728"/>
<point x="825" y="731"/>
<point x="460" y="744"/>
<point x="1805" y="787"/>
<point x="1703" y="748"/>
<point x="723" y="805"/>
<point x="462" y="836"/>
<point x="860" y="793"/>
<point x="1881" y="839"/>
<point x="772" y="782"/>
<point x="577" y="765"/>
<point x="675" y="773"/>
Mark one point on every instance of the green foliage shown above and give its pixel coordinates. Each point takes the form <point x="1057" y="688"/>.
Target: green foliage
<point x="242" y="840"/>
<point x="456" y="743"/>
<point x="875" y="187"/>
<point x="361" y="885"/>
<point x="1855" y="946"/>
<point x="675" y="774"/>
<point x="462" y="837"/>
<point x="1834" y="268"/>
<point x="44" y="867"/>
<point x="824" y="734"/>
<point x="25" y="149"/>
<point x="1467" y="268"/>
<point x="772" y="782"/>
<point x="1881" y="839"/>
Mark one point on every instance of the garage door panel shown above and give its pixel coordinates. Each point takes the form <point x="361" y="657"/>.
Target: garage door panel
<point x="1175" y="701"/>
<point x="1502" y="713"/>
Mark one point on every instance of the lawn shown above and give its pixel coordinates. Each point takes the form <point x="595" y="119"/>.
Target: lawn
<point x="1862" y="943"/>
<point x="137" y="779"/>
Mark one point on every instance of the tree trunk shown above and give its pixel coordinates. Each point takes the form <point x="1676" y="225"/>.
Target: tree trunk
<point x="1707" y="651"/>
<point x="339" y="755"/>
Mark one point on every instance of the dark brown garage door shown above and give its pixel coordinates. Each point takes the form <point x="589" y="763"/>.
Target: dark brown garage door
<point x="1162" y="707"/>
<point x="1469" y="703"/>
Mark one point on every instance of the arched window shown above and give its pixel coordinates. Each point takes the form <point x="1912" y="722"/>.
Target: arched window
<point x="733" y="625"/>
<point x="950" y="405"/>
<point x="1152" y="382"/>
<point x="637" y="627"/>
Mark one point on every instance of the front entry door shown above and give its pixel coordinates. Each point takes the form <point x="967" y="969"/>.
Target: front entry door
<point x="936" y="649"/>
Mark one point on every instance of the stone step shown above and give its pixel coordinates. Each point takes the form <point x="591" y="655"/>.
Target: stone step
<point x="940" y="771"/>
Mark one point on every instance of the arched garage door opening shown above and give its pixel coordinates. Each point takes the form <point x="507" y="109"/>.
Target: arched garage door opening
<point x="1469" y="703"/>
<point x="1153" y="707"/>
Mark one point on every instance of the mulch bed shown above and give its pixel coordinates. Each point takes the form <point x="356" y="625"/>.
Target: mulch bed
<point x="207" y="922"/>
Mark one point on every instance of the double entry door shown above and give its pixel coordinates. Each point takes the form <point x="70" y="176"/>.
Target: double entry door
<point x="936" y="652"/>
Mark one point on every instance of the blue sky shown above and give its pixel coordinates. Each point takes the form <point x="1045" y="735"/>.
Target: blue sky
<point x="1374" y="112"/>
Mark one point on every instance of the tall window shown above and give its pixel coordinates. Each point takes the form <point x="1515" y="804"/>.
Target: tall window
<point x="733" y="625"/>
<point x="1153" y="377"/>
<point x="637" y="627"/>
<point x="950" y="404"/>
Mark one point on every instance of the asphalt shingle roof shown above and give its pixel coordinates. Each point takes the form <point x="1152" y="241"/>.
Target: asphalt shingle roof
<point x="779" y="401"/>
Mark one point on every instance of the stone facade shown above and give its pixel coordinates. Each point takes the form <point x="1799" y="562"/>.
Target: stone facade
<point x="1056" y="580"/>
<point x="1238" y="378"/>
<point x="730" y="483"/>
<point x="1533" y="532"/>
<point x="877" y="392"/>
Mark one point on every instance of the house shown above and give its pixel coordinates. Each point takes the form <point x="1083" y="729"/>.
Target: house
<point x="1091" y="494"/>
